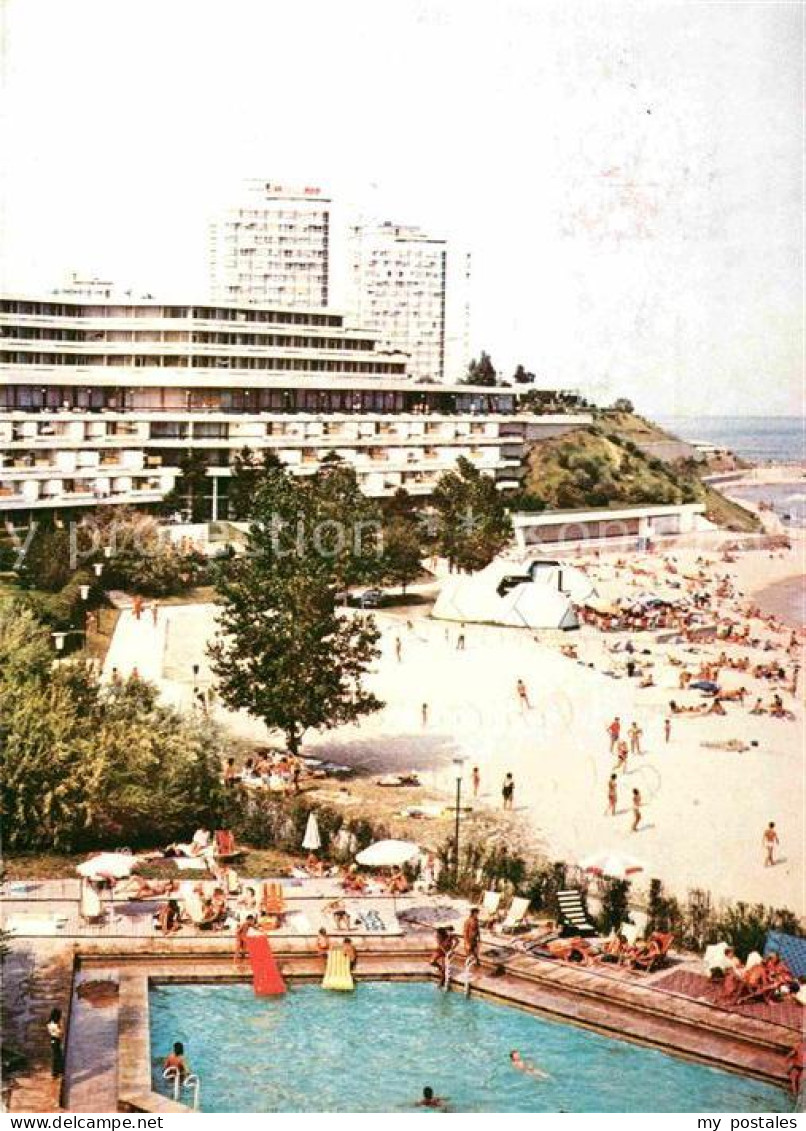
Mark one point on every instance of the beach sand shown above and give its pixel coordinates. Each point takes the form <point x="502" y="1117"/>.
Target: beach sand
<point x="705" y="809"/>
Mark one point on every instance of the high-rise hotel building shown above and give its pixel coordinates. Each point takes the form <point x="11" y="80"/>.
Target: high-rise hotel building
<point x="411" y="289"/>
<point x="102" y="402"/>
<point x="272" y="246"/>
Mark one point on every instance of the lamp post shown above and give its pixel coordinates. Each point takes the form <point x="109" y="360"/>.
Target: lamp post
<point x="458" y="765"/>
<point x="98" y="569"/>
<point x="84" y="592"/>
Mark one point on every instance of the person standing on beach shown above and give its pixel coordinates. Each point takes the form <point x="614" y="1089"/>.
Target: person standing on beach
<point x="398" y="649"/>
<point x="508" y="791"/>
<point x="476" y="780"/>
<point x="635" y="733"/>
<point x="613" y="731"/>
<point x="424" y="714"/>
<point x="621" y="751"/>
<point x="770" y="842"/>
<point x="523" y="695"/>
<point x="612" y="795"/>
<point x="667" y="729"/>
<point x="56" y="1034"/>
<point x="460" y="639"/>
<point x="636" y="810"/>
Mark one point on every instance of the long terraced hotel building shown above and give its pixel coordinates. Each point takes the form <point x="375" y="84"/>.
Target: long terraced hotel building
<point x="102" y="401"/>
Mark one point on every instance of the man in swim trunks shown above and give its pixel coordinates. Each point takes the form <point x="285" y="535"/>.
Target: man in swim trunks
<point x="352" y="954"/>
<point x="613" y="732"/>
<point x="770" y="841"/>
<point x="472" y="936"/>
<point x="508" y="791"/>
<point x="612" y="795"/>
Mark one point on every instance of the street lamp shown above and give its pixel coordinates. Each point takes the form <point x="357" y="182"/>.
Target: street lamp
<point x="84" y="592"/>
<point x="98" y="569"/>
<point x="458" y="766"/>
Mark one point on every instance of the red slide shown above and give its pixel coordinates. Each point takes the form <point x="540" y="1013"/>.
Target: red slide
<point x="266" y="976"/>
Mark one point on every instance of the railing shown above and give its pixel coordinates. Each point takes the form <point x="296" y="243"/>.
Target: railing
<point x="190" y="1082"/>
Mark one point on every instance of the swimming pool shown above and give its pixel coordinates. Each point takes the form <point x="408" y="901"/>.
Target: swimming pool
<point x="375" y="1050"/>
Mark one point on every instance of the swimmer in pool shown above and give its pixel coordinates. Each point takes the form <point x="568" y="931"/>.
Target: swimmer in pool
<point x="526" y="1066"/>
<point x="430" y="1100"/>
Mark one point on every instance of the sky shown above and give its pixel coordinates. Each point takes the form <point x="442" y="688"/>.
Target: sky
<point x="627" y="177"/>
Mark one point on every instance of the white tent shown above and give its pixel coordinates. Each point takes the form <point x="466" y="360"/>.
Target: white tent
<point x="529" y="594"/>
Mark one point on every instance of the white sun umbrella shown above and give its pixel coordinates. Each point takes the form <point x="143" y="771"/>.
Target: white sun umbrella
<point x="715" y="957"/>
<point x="108" y="866"/>
<point x="388" y="854"/>
<point x="616" y="865"/>
<point x="312" y="840"/>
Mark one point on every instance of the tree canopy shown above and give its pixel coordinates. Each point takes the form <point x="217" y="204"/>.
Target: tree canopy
<point x="91" y="766"/>
<point x="284" y="654"/>
<point x="472" y="525"/>
<point x="481" y="371"/>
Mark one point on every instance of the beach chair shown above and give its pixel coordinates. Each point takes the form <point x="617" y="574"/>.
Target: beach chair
<point x="791" y="948"/>
<point x="490" y="909"/>
<point x="516" y="913"/>
<point x="225" y="847"/>
<point x="90" y="907"/>
<point x="273" y="901"/>
<point x="573" y="914"/>
<point x="194" y="908"/>
<point x="648" y="963"/>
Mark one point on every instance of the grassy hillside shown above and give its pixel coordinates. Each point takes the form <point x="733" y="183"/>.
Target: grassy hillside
<point x="602" y="465"/>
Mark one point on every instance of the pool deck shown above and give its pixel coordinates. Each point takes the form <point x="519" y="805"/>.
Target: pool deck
<point x="108" y="1050"/>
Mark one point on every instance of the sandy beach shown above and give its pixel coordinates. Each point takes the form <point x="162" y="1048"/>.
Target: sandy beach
<point x="705" y="807"/>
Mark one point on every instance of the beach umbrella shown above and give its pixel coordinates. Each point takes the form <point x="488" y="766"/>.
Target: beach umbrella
<point x="715" y="957"/>
<point x="388" y="854"/>
<point x="706" y="685"/>
<point x="616" y="865"/>
<point x="312" y="840"/>
<point x="108" y="866"/>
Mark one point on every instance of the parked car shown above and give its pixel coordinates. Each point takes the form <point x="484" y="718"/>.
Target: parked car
<point x="370" y="599"/>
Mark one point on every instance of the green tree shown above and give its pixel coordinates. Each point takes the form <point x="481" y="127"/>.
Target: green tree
<point x="283" y="653"/>
<point x="472" y="522"/>
<point x="47" y="560"/>
<point x="481" y="371"/>
<point x="86" y="766"/>
<point x="248" y="471"/>
<point x="522" y="376"/>
<point x="402" y="551"/>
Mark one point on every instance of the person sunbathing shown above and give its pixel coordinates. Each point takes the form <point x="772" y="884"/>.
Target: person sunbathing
<point x="314" y="866"/>
<point x="341" y="917"/>
<point x="353" y="881"/>
<point x="248" y="901"/>
<point x="169" y="918"/>
<point x="735" y="696"/>
<point x="397" y="884"/>
<point x="716" y="708"/>
<point x="137" y="887"/>
<point x="572" y="950"/>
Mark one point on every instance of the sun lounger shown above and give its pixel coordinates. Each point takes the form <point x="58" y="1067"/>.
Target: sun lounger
<point x="649" y="962"/>
<point x="515" y="915"/>
<point x="225" y="847"/>
<point x="573" y="913"/>
<point x="489" y="911"/>
<point x="273" y="901"/>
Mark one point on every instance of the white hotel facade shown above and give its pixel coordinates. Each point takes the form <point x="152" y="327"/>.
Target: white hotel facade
<point x="101" y="401"/>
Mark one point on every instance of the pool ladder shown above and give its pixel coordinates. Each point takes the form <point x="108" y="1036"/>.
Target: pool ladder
<point x="446" y="984"/>
<point x="190" y="1081"/>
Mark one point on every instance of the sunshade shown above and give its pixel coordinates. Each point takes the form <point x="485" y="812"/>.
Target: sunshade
<point x="617" y="865"/>
<point x="312" y="840"/>
<point x="388" y="853"/>
<point x="108" y="866"/>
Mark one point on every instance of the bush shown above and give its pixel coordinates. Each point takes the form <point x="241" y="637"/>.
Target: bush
<point x="615" y="905"/>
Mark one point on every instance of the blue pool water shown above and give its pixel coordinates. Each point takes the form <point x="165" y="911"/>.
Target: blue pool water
<point x="375" y="1050"/>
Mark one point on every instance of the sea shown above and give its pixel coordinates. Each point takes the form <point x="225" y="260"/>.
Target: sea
<point x="763" y="440"/>
<point x="759" y="439"/>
